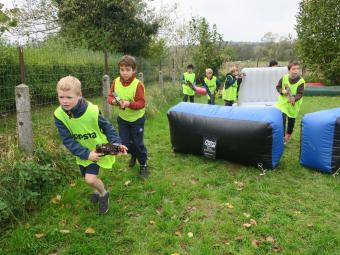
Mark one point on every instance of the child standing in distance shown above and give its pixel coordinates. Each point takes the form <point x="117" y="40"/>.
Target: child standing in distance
<point x="231" y="86"/>
<point x="273" y="63"/>
<point x="188" y="83"/>
<point x="131" y="111"/>
<point x="81" y="127"/>
<point x="211" y="84"/>
<point x="291" y="88"/>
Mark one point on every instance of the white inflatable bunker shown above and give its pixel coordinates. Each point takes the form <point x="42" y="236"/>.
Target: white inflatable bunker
<point x="258" y="87"/>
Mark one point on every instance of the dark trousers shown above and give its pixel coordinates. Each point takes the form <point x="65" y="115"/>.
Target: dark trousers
<point x="228" y="103"/>
<point x="290" y="126"/>
<point x="211" y="100"/>
<point x="132" y="134"/>
<point x="185" y="98"/>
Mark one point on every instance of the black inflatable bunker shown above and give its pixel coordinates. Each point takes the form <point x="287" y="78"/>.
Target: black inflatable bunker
<point x="247" y="135"/>
<point x="320" y="140"/>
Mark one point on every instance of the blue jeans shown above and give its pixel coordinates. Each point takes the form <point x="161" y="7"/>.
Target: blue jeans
<point x="132" y="135"/>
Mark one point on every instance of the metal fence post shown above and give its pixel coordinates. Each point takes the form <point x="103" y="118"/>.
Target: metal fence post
<point x="24" y="119"/>
<point x="107" y="109"/>
<point x="161" y="82"/>
<point x="141" y="77"/>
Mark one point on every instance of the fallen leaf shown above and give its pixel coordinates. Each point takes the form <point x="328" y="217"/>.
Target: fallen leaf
<point x="40" y="235"/>
<point x="159" y="211"/>
<point x="239" y="184"/>
<point x="193" y="181"/>
<point x="256" y="243"/>
<point x="130" y="214"/>
<point x="174" y="217"/>
<point x="127" y="183"/>
<point x="247" y="215"/>
<point x="190" y="234"/>
<point x="310" y="225"/>
<point x="151" y="222"/>
<point x="68" y="205"/>
<point x="175" y="253"/>
<point x="64" y="231"/>
<point x="229" y="206"/>
<point x="178" y="233"/>
<point x="72" y="184"/>
<point x="90" y="231"/>
<point x="297" y="212"/>
<point x="173" y="184"/>
<point x="276" y="248"/>
<point x="238" y="238"/>
<point x="252" y="222"/>
<point x="152" y="191"/>
<point x="56" y="199"/>
<point x="186" y="220"/>
<point x="226" y="242"/>
<point x="270" y="239"/>
<point x="247" y="225"/>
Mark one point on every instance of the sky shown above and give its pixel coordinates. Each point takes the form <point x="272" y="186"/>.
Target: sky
<point x="237" y="20"/>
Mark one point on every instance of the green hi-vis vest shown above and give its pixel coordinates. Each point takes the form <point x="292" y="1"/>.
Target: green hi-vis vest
<point x="85" y="130"/>
<point x="186" y="89"/>
<point x="283" y="103"/>
<point x="211" y="85"/>
<point x="128" y="94"/>
<point x="230" y="94"/>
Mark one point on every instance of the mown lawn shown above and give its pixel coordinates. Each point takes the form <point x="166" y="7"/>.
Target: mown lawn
<point x="192" y="205"/>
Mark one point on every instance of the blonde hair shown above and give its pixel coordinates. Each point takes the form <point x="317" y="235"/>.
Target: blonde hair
<point x="209" y="70"/>
<point x="69" y="83"/>
<point x="233" y="69"/>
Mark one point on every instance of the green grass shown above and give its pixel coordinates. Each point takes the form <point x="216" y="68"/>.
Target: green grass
<point x="298" y="208"/>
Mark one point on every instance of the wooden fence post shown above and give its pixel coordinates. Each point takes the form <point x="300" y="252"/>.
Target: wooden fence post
<point x="173" y="77"/>
<point x="24" y="119"/>
<point x="107" y="109"/>
<point x="161" y="82"/>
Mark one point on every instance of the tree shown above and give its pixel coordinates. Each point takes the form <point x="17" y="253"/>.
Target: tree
<point x="8" y="19"/>
<point x="207" y="46"/>
<point x="318" y="37"/>
<point x="124" y="26"/>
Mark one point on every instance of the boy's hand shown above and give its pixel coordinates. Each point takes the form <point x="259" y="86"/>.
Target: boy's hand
<point x="94" y="156"/>
<point x="114" y="102"/>
<point x="124" y="104"/>
<point x="123" y="150"/>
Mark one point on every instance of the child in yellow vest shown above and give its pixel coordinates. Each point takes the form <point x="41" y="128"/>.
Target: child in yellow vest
<point x="211" y="84"/>
<point x="128" y="94"/>
<point x="232" y="86"/>
<point x="188" y="84"/>
<point x="291" y="88"/>
<point x="81" y="127"/>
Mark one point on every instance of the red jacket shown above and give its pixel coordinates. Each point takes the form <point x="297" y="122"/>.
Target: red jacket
<point x="139" y="100"/>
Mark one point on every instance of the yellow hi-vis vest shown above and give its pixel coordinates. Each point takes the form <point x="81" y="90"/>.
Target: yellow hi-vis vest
<point x="128" y="94"/>
<point x="230" y="94"/>
<point x="211" y="85"/>
<point x="186" y="89"/>
<point x="283" y="103"/>
<point x="85" y="130"/>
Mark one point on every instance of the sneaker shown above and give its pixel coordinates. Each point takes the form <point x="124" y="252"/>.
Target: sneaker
<point x="144" y="172"/>
<point x="104" y="203"/>
<point x="132" y="161"/>
<point x="287" y="138"/>
<point x="94" y="198"/>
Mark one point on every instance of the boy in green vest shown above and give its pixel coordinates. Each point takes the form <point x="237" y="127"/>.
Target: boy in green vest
<point x="211" y="84"/>
<point x="231" y="86"/>
<point x="128" y="94"/>
<point x="291" y="88"/>
<point x="81" y="127"/>
<point x="188" y="84"/>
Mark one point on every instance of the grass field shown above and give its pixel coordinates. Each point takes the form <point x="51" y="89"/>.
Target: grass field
<point x="191" y="205"/>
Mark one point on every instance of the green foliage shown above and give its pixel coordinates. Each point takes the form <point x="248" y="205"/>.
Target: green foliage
<point x="318" y="37"/>
<point x="123" y="26"/>
<point x="8" y="19"/>
<point x="207" y="46"/>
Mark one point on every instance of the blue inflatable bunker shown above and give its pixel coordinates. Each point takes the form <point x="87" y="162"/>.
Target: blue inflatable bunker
<point x="320" y="140"/>
<point x="247" y="135"/>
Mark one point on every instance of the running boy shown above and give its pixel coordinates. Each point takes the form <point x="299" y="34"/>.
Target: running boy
<point x="188" y="84"/>
<point x="81" y="127"/>
<point x="211" y="84"/>
<point x="128" y="94"/>
<point x="232" y="86"/>
<point x="291" y="88"/>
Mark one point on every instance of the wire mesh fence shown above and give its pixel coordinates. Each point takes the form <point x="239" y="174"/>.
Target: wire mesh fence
<point x="40" y="68"/>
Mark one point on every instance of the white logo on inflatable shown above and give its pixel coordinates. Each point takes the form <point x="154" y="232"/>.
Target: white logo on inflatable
<point x="210" y="144"/>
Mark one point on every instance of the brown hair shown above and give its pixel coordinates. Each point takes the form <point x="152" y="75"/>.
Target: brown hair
<point x="69" y="83"/>
<point x="293" y="63"/>
<point x="127" y="60"/>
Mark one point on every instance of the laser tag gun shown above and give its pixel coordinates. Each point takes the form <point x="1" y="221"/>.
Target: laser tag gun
<point x="240" y="75"/>
<point x="192" y="86"/>
<point x="118" y="100"/>
<point x="291" y="98"/>
<point x="108" y="148"/>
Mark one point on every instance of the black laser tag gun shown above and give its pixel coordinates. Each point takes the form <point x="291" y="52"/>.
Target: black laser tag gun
<point x="192" y="86"/>
<point x="108" y="148"/>
<point x="291" y="98"/>
<point x="118" y="100"/>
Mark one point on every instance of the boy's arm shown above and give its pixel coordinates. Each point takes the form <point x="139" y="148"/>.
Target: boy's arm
<point x="110" y="96"/>
<point x="279" y="87"/>
<point x="139" y="100"/>
<point x="72" y="145"/>
<point x="108" y="130"/>
<point x="229" y="81"/>
<point x="206" y="87"/>
<point x="218" y="84"/>
<point x="299" y="92"/>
